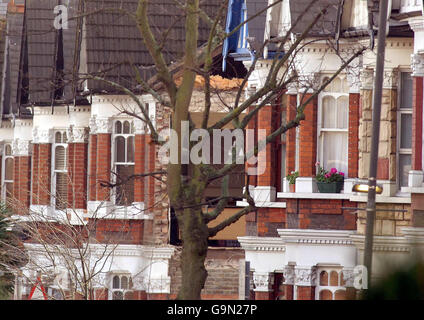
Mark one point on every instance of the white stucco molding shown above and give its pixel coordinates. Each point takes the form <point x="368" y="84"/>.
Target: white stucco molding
<point x="367" y="79"/>
<point x="21" y="148"/>
<point x="103" y="125"/>
<point x="107" y="210"/>
<point x="390" y="79"/>
<point x="310" y="236"/>
<point x="77" y="134"/>
<point x="383" y="243"/>
<point x="42" y="135"/>
<point x="267" y="244"/>
<point x="158" y="253"/>
<point x="417" y="64"/>
<point x="263" y="281"/>
<point x="305" y="276"/>
<point x="289" y="274"/>
<point x="414" y="235"/>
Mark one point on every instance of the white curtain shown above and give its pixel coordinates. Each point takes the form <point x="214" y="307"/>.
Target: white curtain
<point x="335" y="143"/>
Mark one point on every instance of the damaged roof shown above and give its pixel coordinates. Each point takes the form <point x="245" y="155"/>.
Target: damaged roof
<point x="45" y="62"/>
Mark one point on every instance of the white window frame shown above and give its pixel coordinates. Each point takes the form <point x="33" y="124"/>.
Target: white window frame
<point x="401" y="111"/>
<point x="320" y="130"/>
<point x="112" y="290"/>
<point x="53" y="164"/>
<point x="3" y="170"/>
<point x="114" y="163"/>
<point x="332" y="289"/>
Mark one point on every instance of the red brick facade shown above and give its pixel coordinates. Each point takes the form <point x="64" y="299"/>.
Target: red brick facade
<point x="41" y="177"/>
<point x="308" y="139"/>
<point x="77" y="171"/>
<point x="417" y="123"/>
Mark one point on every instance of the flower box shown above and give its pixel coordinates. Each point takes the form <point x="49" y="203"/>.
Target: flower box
<point x="330" y="187"/>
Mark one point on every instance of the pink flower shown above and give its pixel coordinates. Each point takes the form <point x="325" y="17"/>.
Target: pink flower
<point x="317" y="164"/>
<point x="341" y="173"/>
<point x="333" y="170"/>
<point x="328" y="175"/>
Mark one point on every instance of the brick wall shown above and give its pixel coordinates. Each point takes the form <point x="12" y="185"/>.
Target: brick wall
<point x="22" y="182"/>
<point x="77" y="171"/>
<point x="386" y="223"/>
<point x="103" y="165"/>
<point x="291" y="135"/>
<point x="417" y="123"/>
<point x="320" y="214"/>
<point x="222" y="265"/>
<point x="117" y="231"/>
<point x="92" y="194"/>
<point x="41" y="177"/>
<point x="308" y="139"/>
<point x="353" y="156"/>
<point x="269" y="220"/>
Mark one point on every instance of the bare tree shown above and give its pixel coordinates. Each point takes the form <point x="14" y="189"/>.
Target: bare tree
<point x="173" y="87"/>
<point x="186" y="184"/>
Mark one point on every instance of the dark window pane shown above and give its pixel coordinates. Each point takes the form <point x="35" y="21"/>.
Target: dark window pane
<point x="8" y="150"/>
<point x="120" y="149"/>
<point x="58" y="137"/>
<point x="118" y="127"/>
<point x="126" y="127"/>
<point x="125" y="191"/>
<point x="124" y="283"/>
<point x="406" y="131"/>
<point x="130" y="149"/>
<point x="9" y="169"/>
<point x="115" y="282"/>
<point x="406" y="91"/>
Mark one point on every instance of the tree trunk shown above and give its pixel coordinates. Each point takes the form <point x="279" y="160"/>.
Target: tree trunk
<point x="195" y="247"/>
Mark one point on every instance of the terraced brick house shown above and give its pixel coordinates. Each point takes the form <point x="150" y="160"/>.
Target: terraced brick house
<point x="63" y="135"/>
<point x="305" y="245"/>
<point x="61" y="139"/>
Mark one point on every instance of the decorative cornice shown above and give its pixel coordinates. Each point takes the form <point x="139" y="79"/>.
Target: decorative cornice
<point x="158" y="253"/>
<point x="289" y="275"/>
<point x="262" y="244"/>
<point x="305" y="236"/>
<point x="417" y="64"/>
<point x="42" y="135"/>
<point x="21" y="148"/>
<point x="305" y="276"/>
<point x="77" y="134"/>
<point x="348" y="277"/>
<point x="100" y="125"/>
<point x="383" y="243"/>
<point x="391" y="78"/>
<point x="366" y="78"/>
<point x="263" y="281"/>
<point x="417" y="24"/>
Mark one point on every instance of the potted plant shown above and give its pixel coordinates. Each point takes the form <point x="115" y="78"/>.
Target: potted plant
<point x="329" y="181"/>
<point x="291" y="178"/>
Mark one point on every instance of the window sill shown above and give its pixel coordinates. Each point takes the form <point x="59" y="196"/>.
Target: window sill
<point x="317" y="195"/>
<point x="263" y="204"/>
